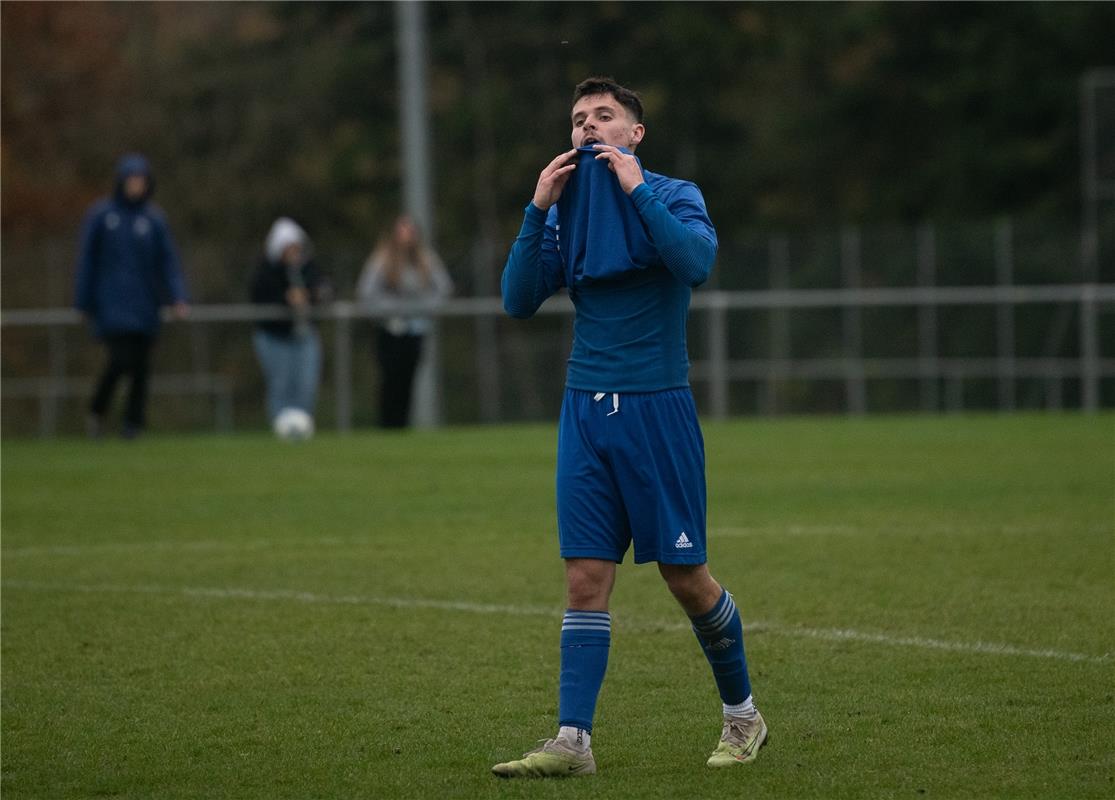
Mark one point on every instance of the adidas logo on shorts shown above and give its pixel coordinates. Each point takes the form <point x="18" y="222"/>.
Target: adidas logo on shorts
<point x="683" y="542"/>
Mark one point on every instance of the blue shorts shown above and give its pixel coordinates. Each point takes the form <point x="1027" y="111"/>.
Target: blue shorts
<point x="631" y="467"/>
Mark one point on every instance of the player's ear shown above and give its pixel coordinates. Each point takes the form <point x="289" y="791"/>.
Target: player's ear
<point x="637" y="132"/>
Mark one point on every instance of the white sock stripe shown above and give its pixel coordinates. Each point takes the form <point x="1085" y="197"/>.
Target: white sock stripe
<point x="720" y="620"/>
<point x="586" y="621"/>
<point x="584" y="627"/>
<point x="726" y="613"/>
<point x="598" y="623"/>
<point x="589" y="614"/>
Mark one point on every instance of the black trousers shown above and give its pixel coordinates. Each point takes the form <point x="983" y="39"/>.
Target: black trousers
<point x="398" y="359"/>
<point x="128" y="354"/>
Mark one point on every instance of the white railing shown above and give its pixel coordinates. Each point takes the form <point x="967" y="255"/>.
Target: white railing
<point x="713" y="368"/>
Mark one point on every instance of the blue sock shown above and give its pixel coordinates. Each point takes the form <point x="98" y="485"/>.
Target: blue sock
<point x="720" y="633"/>
<point x="585" y="638"/>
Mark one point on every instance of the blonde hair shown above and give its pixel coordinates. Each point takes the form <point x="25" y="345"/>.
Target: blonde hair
<point x="394" y="257"/>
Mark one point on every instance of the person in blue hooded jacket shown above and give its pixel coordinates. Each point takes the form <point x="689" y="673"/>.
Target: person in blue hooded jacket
<point x="128" y="268"/>
<point x="628" y="245"/>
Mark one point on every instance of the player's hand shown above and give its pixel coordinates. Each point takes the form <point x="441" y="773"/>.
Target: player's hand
<point x="553" y="179"/>
<point x="624" y="165"/>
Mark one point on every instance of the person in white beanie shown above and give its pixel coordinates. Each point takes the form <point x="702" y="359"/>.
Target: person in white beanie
<point x="288" y="347"/>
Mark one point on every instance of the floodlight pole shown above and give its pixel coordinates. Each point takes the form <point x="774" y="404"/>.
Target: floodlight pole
<point x="1088" y="177"/>
<point x="410" y="20"/>
<point x="1094" y="187"/>
<point x="414" y="126"/>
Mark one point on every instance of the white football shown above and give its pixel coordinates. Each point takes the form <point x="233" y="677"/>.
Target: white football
<point x="293" y="424"/>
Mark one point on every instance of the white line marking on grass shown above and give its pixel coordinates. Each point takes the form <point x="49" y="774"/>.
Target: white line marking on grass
<point x="291" y="595"/>
<point x="823" y="634"/>
<point x="777" y="530"/>
<point x="735" y="531"/>
<point x="845" y="634"/>
<point x="993" y="648"/>
<point x="199" y="544"/>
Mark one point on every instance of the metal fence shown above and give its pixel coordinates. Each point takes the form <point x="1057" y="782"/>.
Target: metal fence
<point x="991" y="315"/>
<point x="513" y="370"/>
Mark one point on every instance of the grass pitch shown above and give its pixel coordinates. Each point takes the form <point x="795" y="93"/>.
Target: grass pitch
<point x="929" y="607"/>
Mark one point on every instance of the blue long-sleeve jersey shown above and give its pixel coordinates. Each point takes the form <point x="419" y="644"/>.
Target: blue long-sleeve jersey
<point x="629" y="264"/>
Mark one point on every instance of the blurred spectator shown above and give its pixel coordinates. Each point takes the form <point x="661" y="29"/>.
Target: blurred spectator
<point x="404" y="280"/>
<point x="289" y="349"/>
<point x="127" y="268"/>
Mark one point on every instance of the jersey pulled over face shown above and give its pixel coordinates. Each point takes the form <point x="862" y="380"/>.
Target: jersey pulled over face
<point x="600" y="119"/>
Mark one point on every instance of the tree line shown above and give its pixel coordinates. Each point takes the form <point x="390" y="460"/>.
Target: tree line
<point x="787" y="115"/>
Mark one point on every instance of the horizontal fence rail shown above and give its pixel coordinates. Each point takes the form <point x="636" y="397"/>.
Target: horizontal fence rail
<point x="559" y="304"/>
<point x="713" y="367"/>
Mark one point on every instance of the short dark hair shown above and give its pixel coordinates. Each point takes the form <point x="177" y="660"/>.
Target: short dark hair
<point x="602" y="85"/>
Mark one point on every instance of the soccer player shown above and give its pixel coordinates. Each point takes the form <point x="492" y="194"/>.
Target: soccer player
<point x="628" y="245"/>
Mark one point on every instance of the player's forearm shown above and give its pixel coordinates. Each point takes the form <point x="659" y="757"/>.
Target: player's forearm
<point x="523" y="286"/>
<point x="687" y="254"/>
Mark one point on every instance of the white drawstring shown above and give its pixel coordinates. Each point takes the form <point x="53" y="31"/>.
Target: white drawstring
<point x="615" y="401"/>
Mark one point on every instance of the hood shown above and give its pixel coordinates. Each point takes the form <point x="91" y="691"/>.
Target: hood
<point x="285" y="231"/>
<point x="133" y="164"/>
